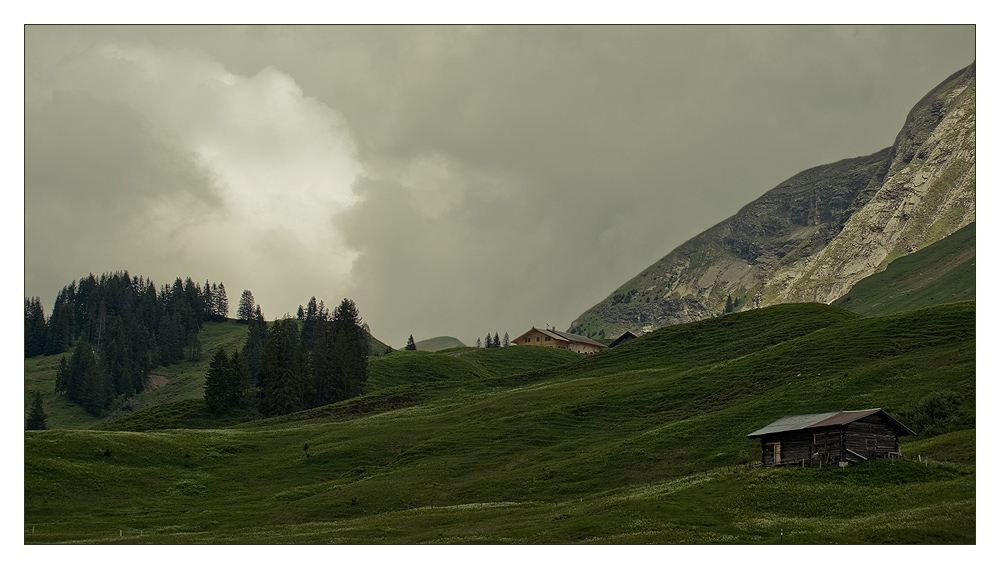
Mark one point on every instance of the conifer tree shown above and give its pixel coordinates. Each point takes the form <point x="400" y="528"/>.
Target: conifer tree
<point x="283" y="374"/>
<point x="36" y="418"/>
<point x="239" y="381"/>
<point x="222" y="303"/>
<point x="244" y="312"/>
<point x="496" y="340"/>
<point x="216" y="382"/>
<point x="62" y="376"/>
<point x="410" y="344"/>
<point x="352" y="347"/>
<point x="256" y="336"/>
<point x="208" y="300"/>
<point x="34" y="327"/>
<point x="506" y="339"/>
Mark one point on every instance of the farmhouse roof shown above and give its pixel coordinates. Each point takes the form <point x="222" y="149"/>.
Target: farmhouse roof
<point x="819" y="420"/>
<point x="575" y="338"/>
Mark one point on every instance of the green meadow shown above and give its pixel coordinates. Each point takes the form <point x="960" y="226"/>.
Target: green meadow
<point x="643" y="443"/>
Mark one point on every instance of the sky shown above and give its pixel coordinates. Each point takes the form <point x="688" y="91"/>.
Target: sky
<point x="451" y="180"/>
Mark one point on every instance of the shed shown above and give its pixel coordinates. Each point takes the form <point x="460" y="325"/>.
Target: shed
<point x="626" y="337"/>
<point x="824" y="438"/>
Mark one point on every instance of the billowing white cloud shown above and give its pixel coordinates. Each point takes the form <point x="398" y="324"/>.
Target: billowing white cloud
<point x="273" y="166"/>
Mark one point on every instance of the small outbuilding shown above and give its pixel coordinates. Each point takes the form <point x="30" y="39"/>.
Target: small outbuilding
<point x="824" y="438"/>
<point x="626" y="337"/>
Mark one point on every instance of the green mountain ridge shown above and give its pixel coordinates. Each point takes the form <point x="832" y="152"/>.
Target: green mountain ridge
<point x="439" y="343"/>
<point x="821" y="231"/>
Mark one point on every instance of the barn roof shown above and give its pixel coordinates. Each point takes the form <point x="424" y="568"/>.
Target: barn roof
<point x="819" y="420"/>
<point x="626" y="337"/>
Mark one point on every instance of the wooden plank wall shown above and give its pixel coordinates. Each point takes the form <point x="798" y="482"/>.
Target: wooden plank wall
<point x="871" y="437"/>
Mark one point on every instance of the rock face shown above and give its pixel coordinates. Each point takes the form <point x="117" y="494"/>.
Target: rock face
<point x="818" y="233"/>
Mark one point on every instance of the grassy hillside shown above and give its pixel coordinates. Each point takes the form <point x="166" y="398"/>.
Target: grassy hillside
<point x="439" y="343"/>
<point x="640" y="444"/>
<point x="939" y="273"/>
<point x="171" y="384"/>
<point x="175" y="397"/>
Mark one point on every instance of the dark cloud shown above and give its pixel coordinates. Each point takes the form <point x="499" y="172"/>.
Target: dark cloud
<point x="505" y="176"/>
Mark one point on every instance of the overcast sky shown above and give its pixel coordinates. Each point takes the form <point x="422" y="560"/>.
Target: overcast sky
<point x="450" y="180"/>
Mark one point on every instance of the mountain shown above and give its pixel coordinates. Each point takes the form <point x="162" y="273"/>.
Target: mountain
<point x="818" y="233"/>
<point x="439" y="343"/>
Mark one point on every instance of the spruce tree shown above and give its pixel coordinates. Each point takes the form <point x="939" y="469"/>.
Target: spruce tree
<point x="496" y="340"/>
<point x="239" y="381"/>
<point x="216" y="382"/>
<point x="355" y="348"/>
<point x="410" y="344"/>
<point x="506" y="339"/>
<point x="283" y="374"/>
<point x="34" y="327"/>
<point x="244" y="312"/>
<point x="325" y="367"/>
<point x="36" y="418"/>
<point x="222" y="303"/>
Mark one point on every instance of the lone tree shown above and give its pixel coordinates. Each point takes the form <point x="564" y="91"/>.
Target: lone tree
<point x="410" y="344"/>
<point x="36" y="418"/>
<point x="244" y="312"/>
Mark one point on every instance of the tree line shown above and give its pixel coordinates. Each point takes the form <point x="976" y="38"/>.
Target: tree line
<point x="119" y="328"/>
<point x="314" y="359"/>
<point x="494" y="341"/>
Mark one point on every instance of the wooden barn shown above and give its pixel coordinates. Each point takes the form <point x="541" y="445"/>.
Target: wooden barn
<point x="825" y="438"/>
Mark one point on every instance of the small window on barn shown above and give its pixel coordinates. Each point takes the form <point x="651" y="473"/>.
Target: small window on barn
<point x="548" y="338"/>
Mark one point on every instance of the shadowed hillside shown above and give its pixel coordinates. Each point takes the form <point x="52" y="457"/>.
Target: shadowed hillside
<point x="640" y="444"/>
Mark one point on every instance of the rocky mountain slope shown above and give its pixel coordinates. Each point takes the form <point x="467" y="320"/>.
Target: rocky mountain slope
<point x="815" y="235"/>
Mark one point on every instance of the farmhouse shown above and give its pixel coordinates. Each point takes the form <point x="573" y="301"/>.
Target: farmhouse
<point x="824" y="438"/>
<point x="557" y="339"/>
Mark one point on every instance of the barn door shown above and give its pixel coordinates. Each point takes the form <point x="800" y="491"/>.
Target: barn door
<point x="776" y="453"/>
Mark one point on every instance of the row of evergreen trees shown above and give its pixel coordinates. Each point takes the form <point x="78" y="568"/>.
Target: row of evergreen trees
<point x="119" y="328"/>
<point x="494" y="341"/>
<point x="297" y="363"/>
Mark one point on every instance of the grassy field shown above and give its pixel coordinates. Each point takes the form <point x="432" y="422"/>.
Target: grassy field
<point x="644" y="443"/>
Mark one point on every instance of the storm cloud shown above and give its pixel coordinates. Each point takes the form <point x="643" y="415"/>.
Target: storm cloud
<point x="451" y="180"/>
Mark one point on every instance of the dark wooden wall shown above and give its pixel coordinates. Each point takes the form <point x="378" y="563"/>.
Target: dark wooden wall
<point x="871" y="437"/>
